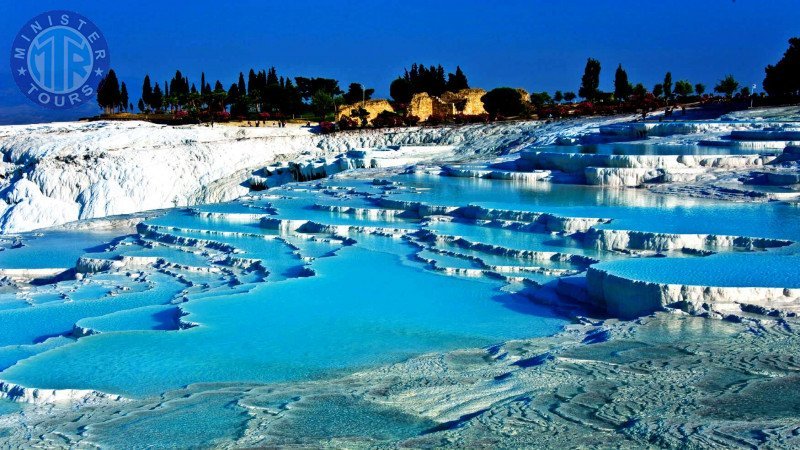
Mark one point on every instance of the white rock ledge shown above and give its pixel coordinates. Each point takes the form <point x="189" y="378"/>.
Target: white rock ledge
<point x="18" y="393"/>
<point x="628" y="298"/>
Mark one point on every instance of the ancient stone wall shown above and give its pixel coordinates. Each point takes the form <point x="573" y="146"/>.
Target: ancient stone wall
<point x="423" y="106"/>
<point x="373" y="108"/>
<point x="465" y="101"/>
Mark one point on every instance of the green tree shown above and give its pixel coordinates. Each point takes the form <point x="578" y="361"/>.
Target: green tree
<point x="503" y="101"/>
<point x="123" y="96"/>
<point x="356" y="93"/>
<point x="140" y="105"/>
<point x="727" y="86"/>
<point x="241" y="87"/>
<point x="218" y="98"/>
<point x="432" y="79"/>
<point x="658" y="90"/>
<point x="622" y="87"/>
<point x="457" y="81"/>
<point x="668" y="85"/>
<point x="108" y="95"/>
<point x="272" y="77"/>
<point x="700" y="88"/>
<point x="166" y="97"/>
<point x="322" y="103"/>
<point x="308" y="87"/>
<point x="178" y="89"/>
<point x="192" y="100"/>
<point x="783" y="79"/>
<point x="569" y="96"/>
<point x="639" y="90"/>
<point x="590" y="82"/>
<point x="157" y="99"/>
<point x="540" y="99"/>
<point x="203" y="84"/>
<point x="400" y="90"/>
<point x="683" y="88"/>
<point x="252" y="83"/>
<point x="147" y="91"/>
<point x="745" y="92"/>
<point x="558" y="96"/>
<point x="289" y="102"/>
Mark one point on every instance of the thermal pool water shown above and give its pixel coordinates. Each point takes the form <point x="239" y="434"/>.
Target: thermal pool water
<point x="315" y="280"/>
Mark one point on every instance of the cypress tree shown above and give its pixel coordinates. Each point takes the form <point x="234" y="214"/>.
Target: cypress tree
<point x="272" y="77"/>
<point x="108" y="95"/>
<point x="251" y="82"/>
<point x="622" y="88"/>
<point x="457" y="81"/>
<point x="668" y="85"/>
<point x="241" y="87"/>
<point x="590" y="82"/>
<point x="147" y="91"/>
<point x="158" y="98"/>
<point x="123" y="96"/>
<point x="166" y="98"/>
<point x="439" y="81"/>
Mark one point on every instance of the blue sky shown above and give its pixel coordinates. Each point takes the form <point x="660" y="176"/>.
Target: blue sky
<point x="535" y="44"/>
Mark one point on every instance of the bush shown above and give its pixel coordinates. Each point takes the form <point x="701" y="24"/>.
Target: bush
<point x="347" y="123"/>
<point x="436" y="119"/>
<point x="412" y="120"/>
<point x="554" y="111"/>
<point x="503" y="101"/>
<point x="471" y="118"/>
<point x="327" y="127"/>
<point x="388" y="119"/>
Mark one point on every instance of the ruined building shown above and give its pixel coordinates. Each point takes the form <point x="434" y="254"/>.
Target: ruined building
<point x="422" y="105"/>
<point x="373" y="108"/>
<point x="465" y="101"/>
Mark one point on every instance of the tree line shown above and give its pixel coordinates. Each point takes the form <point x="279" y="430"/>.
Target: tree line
<point x="265" y="93"/>
<point x="430" y="80"/>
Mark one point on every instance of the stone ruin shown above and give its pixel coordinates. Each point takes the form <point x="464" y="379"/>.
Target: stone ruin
<point x="422" y="105"/>
<point x="465" y="101"/>
<point x="373" y="108"/>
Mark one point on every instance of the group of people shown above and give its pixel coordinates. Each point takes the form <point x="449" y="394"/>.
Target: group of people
<point x="257" y="123"/>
